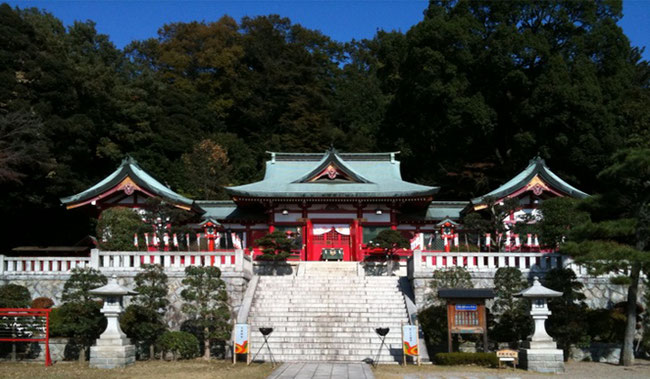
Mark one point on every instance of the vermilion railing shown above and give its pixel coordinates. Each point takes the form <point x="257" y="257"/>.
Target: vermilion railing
<point x="26" y="325"/>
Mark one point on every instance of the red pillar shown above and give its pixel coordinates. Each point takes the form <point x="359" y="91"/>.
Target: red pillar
<point x="309" y="236"/>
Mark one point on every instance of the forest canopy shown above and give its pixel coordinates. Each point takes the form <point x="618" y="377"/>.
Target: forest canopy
<point x="468" y="95"/>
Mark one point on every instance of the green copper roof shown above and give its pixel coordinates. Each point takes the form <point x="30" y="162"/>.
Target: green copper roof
<point x="371" y="175"/>
<point x="129" y="168"/>
<point x="227" y="210"/>
<point x="437" y="211"/>
<point x="536" y="166"/>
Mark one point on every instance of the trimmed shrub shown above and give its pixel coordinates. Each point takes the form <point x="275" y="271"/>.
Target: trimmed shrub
<point x="42" y="303"/>
<point x="56" y="323"/>
<point x="180" y="344"/>
<point x="460" y="359"/>
<point x="14" y="296"/>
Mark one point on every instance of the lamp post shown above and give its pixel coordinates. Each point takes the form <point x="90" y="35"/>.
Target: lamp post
<point x="112" y="349"/>
<point x="540" y="353"/>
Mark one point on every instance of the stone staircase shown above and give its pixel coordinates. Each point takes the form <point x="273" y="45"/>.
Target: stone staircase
<point x="328" y="312"/>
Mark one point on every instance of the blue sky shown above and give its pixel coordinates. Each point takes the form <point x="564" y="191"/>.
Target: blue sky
<point x="125" y="21"/>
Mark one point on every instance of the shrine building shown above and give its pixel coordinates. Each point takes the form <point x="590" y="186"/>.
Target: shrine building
<point x="331" y="204"/>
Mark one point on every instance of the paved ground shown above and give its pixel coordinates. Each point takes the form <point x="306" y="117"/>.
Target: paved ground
<point x="574" y="370"/>
<point x="325" y="370"/>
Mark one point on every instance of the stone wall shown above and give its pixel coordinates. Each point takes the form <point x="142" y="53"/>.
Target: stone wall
<point x="52" y="286"/>
<point x="599" y="292"/>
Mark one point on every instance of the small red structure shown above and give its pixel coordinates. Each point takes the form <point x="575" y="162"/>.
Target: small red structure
<point x="26" y="325"/>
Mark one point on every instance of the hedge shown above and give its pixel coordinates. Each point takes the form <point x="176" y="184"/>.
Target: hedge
<point x="459" y="359"/>
<point x="180" y="344"/>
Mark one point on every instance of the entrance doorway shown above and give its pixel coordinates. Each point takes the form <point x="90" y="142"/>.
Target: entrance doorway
<point x="331" y="242"/>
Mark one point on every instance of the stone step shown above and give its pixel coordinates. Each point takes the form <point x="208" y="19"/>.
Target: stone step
<point x="358" y="308"/>
<point x="384" y="359"/>
<point x="358" y="340"/>
<point x="343" y="302"/>
<point x="328" y="330"/>
<point x="362" y="351"/>
<point x="319" y="314"/>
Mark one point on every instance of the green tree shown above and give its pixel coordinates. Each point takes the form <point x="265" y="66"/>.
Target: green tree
<point x="568" y="321"/>
<point x="513" y="322"/>
<point x="616" y="238"/>
<point x="206" y="303"/>
<point x="144" y="320"/>
<point x="560" y="215"/>
<point x="391" y="241"/>
<point x="116" y="228"/>
<point x="450" y="277"/>
<point x="14" y="296"/>
<point x="276" y="248"/>
<point x="80" y="313"/>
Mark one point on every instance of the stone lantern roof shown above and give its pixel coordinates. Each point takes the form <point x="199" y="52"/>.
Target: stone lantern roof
<point x="112" y="289"/>
<point x="538" y="291"/>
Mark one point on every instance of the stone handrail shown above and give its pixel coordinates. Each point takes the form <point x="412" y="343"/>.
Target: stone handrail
<point x="426" y="262"/>
<point x="120" y="261"/>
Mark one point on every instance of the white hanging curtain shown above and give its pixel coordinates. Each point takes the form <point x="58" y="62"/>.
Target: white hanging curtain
<point x="322" y="229"/>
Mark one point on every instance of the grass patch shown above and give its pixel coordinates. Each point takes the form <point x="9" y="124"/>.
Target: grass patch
<point x="195" y="369"/>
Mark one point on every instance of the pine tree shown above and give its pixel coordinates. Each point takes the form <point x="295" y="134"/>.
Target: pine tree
<point x="616" y="237"/>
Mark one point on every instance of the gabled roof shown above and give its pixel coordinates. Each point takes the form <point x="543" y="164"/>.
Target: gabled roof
<point x="536" y="177"/>
<point x="129" y="177"/>
<point x="437" y="211"/>
<point x="224" y="211"/>
<point x="358" y="175"/>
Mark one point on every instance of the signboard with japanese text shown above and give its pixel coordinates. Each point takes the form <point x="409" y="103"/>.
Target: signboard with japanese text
<point x="410" y="340"/>
<point x="241" y="339"/>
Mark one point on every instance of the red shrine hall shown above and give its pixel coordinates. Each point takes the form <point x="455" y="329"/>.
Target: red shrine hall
<point x="332" y="205"/>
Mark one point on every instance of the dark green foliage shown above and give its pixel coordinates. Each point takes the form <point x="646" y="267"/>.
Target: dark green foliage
<point x="615" y="237"/>
<point x="14" y="296"/>
<point x="143" y="326"/>
<point x="80" y="314"/>
<point x="77" y="288"/>
<point x="143" y="321"/>
<point x="605" y="325"/>
<point x="206" y="303"/>
<point x="433" y="321"/>
<point x="458" y="359"/>
<point x="276" y="248"/>
<point x="116" y="227"/>
<point x="56" y="323"/>
<point x="181" y="344"/>
<point x="391" y="240"/>
<point x="513" y="322"/>
<point x="560" y="215"/>
<point x="450" y="277"/>
<point x="83" y="323"/>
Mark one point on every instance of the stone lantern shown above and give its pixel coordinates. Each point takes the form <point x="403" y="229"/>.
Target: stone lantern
<point x="540" y="353"/>
<point x="112" y="349"/>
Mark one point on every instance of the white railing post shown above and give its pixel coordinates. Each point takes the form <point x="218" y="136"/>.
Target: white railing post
<point x="94" y="258"/>
<point x="167" y="259"/>
<point x="239" y="260"/>
<point x="2" y="264"/>
<point x="417" y="260"/>
<point x="480" y="259"/>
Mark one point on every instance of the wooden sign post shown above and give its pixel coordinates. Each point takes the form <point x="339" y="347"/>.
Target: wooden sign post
<point x="411" y="342"/>
<point x="466" y="312"/>
<point x="241" y="343"/>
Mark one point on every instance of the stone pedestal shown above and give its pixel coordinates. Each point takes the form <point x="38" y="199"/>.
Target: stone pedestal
<point x="112" y="353"/>
<point x="541" y="357"/>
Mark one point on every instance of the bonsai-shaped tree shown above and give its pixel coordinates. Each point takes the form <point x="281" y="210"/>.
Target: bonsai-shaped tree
<point x="143" y="320"/>
<point x="158" y="215"/>
<point x="276" y="248"/>
<point x="390" y="241"/>
<point x="513" y="322"/>
<point x="206" y="303"/>
<point x="115" y="228"/>
<point x="80" y="313"/>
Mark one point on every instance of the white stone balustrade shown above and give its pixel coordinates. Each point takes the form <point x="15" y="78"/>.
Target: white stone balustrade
<point x="123" y="261"/>
<point x="424" y="263"/>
